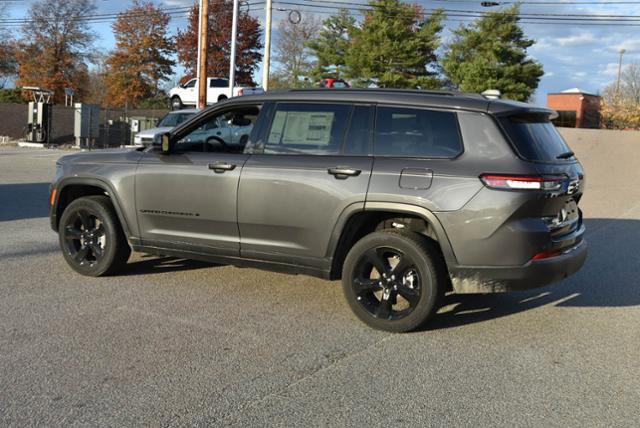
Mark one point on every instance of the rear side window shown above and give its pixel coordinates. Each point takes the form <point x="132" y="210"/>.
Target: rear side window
<point x="219" y="83"/>
<point x="535" y="138"/>
<point x="406" y="132"/>
<point x="315" y="129"/>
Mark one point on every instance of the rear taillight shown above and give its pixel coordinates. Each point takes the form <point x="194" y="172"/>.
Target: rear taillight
<point x="546" y="255"/>
<point x="522" y="182"/>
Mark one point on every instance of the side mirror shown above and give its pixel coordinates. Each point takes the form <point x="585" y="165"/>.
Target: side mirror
<point x="166" y="142"/>
<point x="163" y="142"/>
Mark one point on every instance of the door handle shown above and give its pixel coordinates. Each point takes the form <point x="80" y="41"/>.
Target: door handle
<point x="342" y="173"/>
<point x="220" y="167"/>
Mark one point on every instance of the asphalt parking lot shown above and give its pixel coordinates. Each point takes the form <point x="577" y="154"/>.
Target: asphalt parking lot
<point x="173" y="342"/>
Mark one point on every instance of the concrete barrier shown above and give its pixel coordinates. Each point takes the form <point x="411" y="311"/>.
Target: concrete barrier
<point x="611" y="160"/>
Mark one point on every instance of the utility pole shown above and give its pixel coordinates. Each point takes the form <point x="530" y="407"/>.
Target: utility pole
<point x="622" y="51"/>
<point x="202" y="53"/>
<point x="234" y="38"/>
<point x="267" y="47"/>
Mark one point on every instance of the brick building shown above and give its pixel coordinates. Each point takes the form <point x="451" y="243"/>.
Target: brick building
<point x="576" y="108"/>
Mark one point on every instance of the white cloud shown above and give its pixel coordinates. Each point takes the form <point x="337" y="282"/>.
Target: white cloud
<point x="580" y="39"/>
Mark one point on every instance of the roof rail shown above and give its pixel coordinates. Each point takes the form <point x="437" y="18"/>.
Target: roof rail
<point x="393" y="90"/>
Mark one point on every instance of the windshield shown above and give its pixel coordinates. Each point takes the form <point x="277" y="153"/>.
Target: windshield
<point x="174" y="119"/>
<point x="536" y="138"/>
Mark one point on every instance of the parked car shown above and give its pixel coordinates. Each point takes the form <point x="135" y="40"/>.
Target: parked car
<point x="403" y="195"/>
<point x="330" y="82"/>
<point x="217" y="90"/>
<point x="169" y="121"/>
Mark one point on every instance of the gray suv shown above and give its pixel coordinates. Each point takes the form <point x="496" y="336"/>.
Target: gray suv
<point x="404" y="195"/>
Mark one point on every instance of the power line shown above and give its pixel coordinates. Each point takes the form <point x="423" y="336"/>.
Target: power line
<point x="522" y="14"/>
<point x="523" y="18"/>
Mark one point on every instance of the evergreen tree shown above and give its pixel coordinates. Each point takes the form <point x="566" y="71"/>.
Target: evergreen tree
<point x="331" y="45"/>
<point x="396" y="46"/>
<point x="491" y="53"/>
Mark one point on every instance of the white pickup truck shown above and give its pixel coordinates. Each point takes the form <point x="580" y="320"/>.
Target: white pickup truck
<point x="217" y="90"/>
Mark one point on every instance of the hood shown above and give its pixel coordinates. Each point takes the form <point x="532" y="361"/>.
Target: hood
<point x="150" y="133"/>
<point x="102" y="156"/>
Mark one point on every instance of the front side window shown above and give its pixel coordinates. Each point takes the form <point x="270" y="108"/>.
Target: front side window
<point x="227" y="132"/>
<point x="190" y="84"/>
<point x="408" y="132"/>
<point x="315" y="129"/>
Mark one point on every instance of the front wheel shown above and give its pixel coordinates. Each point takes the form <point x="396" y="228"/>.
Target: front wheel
<point x="91" y="238"/>
<point x="393" y="281"/>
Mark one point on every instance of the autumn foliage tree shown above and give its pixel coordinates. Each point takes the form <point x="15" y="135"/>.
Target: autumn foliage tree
<point x="142" y="56"/>
<point x="56" y="46"/>
<point x="248" y="48"/>
<point x="8" y="65"/>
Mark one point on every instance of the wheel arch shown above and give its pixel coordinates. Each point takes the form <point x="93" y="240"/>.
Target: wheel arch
<point x="357" y="221"/>
<point x="73" y="188"/>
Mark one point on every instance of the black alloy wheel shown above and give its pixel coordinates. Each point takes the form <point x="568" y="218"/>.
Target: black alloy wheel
<point x="387" y="283"/>
<point x="84" y="237"/>
<point x="393" y="280"/>
<point x="91" y="238"/>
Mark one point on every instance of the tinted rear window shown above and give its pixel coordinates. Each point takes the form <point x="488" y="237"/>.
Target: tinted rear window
<point x="536" y="138"/>
<point x="407" y="132"/>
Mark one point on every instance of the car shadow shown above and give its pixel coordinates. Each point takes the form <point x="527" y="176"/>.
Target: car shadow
<point x="23" y="201"/>
<point x="157" y="265"/>
<point x="609" y="278"/>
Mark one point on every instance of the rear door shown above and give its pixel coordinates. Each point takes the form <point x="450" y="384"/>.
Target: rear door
<point x="312" y="166"/>
<point x="415" y="159"/>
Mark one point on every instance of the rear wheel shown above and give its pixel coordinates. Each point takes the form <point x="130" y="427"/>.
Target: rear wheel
<point x="176" y="103"/>
<point x="222" y="98"/>
<point x="393" y="281"/>
<point x="91" y="238"/>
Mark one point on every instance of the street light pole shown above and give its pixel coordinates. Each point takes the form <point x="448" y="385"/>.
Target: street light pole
<point x="234" y="39"/>
<point x="622" y="51"/>
<point x="202" y="53"/>
<point x="267" y="47"/>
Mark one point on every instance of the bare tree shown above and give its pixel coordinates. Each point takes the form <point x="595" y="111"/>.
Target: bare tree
<point x="294" y="58"/>
<point x="629" y="92"/>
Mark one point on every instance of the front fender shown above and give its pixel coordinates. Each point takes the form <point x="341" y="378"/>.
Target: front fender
<point x="55" y="210"/>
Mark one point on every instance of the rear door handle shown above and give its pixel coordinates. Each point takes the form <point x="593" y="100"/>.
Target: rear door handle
<point x="220" y="167"/>
<point x="342" y="173"/>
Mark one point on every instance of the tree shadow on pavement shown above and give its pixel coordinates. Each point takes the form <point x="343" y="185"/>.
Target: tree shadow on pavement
<point x="609" y="278"/>
<point x="22" y="201"/>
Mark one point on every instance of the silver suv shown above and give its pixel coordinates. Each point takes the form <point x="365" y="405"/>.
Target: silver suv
<point x="404" y="195"/>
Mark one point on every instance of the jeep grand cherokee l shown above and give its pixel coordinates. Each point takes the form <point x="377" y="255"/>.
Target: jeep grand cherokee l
<point x="404" y="195"/>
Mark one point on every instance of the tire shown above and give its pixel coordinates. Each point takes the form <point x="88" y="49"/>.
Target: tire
<point x="384" y="301"/>
<point x="91" y="238"/>
<point x="222" y="98"/>
<point x="176" y="103"/>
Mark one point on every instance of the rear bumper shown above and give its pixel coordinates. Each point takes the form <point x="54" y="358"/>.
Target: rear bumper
<point x="534" y="274"/>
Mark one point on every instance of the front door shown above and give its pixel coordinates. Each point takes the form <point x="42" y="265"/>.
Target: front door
<point x="188" y="199"/>
<point x="314" y="166"/>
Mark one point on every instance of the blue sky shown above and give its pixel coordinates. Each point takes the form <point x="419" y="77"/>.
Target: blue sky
<point x="572" y="56"/>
